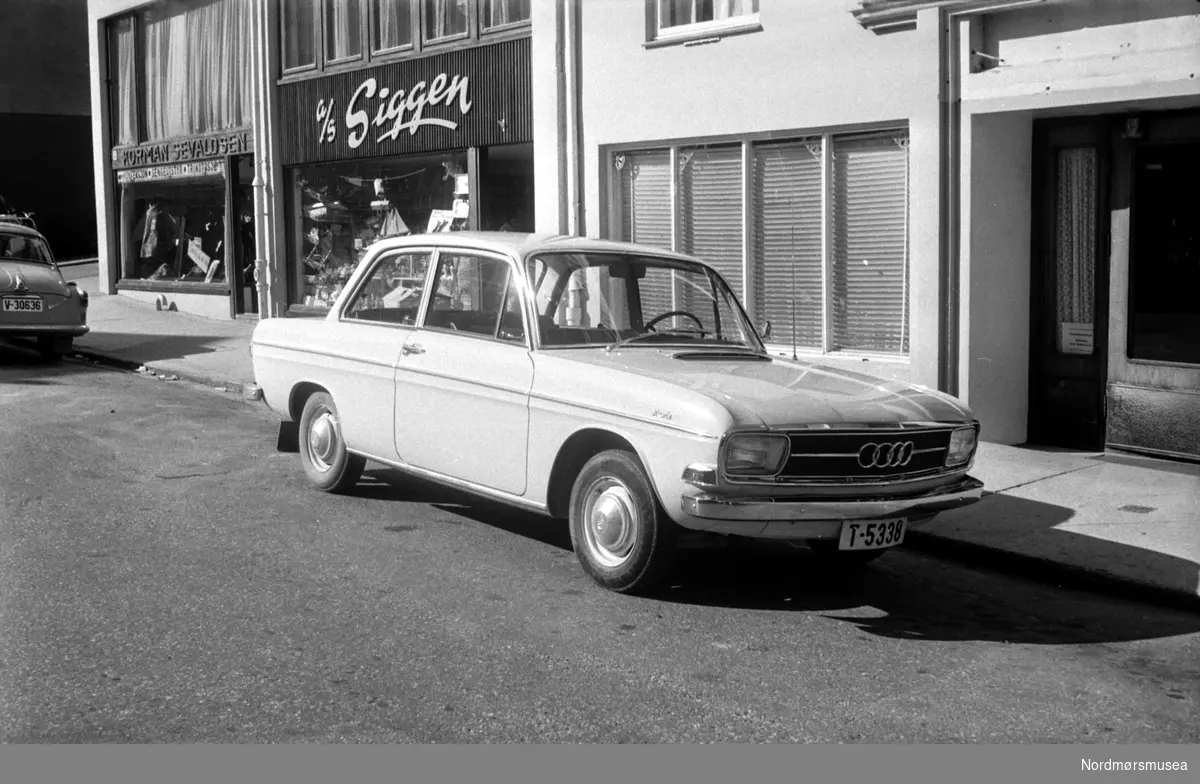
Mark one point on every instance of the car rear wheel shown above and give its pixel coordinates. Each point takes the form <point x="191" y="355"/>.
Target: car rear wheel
<point x="621" y="536"/>
<point x="827" y="550"/>
<point x="323" y="453"/>
<point x="52" y="349"/>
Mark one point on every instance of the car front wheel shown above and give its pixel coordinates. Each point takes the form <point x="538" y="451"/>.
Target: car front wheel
<point x="323" y="453"/>
<point x="621" y="536"/>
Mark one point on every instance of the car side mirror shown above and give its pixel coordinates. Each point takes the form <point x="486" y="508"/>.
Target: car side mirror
<point x="766" y="330"/>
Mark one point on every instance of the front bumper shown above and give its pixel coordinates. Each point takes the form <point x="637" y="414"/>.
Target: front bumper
<point x="819" y="517"/>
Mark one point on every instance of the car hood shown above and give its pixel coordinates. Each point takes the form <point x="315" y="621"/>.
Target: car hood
<point x="773" y="391"/>
<point x="37" y="278"/>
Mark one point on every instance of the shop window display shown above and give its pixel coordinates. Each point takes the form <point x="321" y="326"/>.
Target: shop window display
<point x="342" y="209"/>
<point x="176" y="230"/>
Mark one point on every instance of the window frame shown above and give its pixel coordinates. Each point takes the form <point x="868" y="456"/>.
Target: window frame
<point x="751" y="266"/>
<point x="513" y="278"/>
<point x="476" y="34"/>
<point x="317" y="39"/>
<point x="364" y="278"/>
<point x="414" y="33"/>
<point x="364" y="36"/>
<point x="712" y="30"/>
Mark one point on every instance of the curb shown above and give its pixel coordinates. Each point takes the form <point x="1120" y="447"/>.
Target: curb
<point x="249" y="392"/>
<point x="1044" y="570"/>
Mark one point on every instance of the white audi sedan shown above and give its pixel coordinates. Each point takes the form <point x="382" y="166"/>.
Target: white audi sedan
<point x="620" y="388"/>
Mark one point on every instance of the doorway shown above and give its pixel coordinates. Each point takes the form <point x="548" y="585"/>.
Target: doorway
<point x="242" y="278"/>
<point x="1069" y="284"/>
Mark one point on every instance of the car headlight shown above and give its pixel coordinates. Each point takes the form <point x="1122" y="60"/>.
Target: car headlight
<point x="755" y="454"/>
<point x="962" y="446"/>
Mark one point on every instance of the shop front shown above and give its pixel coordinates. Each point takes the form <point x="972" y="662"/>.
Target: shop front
<point x="187" y="223"/>
<point x="436" y="143"/>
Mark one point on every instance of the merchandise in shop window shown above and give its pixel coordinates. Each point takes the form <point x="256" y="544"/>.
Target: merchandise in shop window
<point x="343" y="214"/>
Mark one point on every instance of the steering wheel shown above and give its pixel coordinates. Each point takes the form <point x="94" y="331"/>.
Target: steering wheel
<point x="650" y="324"/>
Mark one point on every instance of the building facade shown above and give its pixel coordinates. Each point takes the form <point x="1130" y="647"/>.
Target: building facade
<point x="247" y="151"/>
<point x="984" y="197"/>
<point x="44" y="121"/>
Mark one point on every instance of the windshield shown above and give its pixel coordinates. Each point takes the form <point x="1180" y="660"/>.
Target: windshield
<point x="23" y="248"/>
<point x="586" y="299"/>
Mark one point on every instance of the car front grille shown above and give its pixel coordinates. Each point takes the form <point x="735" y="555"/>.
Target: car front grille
<point x="864" y="455"/>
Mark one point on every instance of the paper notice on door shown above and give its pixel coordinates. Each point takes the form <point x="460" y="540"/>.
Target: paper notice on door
<point x="198" y="256"/>
<point x="1075" y="338"/>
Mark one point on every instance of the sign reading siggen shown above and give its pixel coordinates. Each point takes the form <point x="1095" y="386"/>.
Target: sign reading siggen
<point x="473" y="97"/>
<point x="395" y="114"/>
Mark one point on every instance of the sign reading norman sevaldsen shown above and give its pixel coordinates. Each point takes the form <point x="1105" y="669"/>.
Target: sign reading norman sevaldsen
<point x="472" y="97"/>
<point x="184" y="149"/>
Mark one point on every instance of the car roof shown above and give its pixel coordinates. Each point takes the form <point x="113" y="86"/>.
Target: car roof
<point x="522" y="244"/>
<point x="10" y="226"/>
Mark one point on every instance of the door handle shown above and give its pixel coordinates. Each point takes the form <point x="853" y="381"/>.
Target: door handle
<point x="412" y="348"/>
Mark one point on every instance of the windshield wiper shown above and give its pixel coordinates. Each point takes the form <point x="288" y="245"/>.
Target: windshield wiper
<point x="639" y="336"/>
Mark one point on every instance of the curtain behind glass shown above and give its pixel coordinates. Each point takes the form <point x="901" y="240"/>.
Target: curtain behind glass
<point x="502" y="12"/>
<point x="1076" y="246"/>
<point x="198" y="67"/>
<point x="343" y="30"/>
<point x="299" y="32"/>
<point x="393" y="24"/>
<point x="444" y="18"/>
<point x="124" y="88"/>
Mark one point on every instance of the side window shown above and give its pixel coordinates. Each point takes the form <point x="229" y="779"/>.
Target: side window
<point x="392" y="291"/>
<point x="473" y="295"/>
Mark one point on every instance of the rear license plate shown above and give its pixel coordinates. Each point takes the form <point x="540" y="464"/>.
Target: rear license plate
<point x="871" y="535"/>
<point x="22" y="305"/>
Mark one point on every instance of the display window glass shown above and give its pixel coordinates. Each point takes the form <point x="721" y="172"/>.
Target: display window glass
<point x="174" y="230"/>
<point x="339" y="210"/>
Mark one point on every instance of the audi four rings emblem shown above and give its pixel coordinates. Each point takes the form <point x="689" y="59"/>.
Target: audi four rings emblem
<point x="893" y="455"/>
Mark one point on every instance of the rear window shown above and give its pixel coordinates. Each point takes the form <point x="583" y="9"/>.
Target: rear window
<point x="24" y="248"/>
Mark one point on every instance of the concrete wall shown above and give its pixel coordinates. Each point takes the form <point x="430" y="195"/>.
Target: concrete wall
<point x="106" y="229"/>
<point x="1079" y="52"/>
<point x="995" y="272"/>
<point x="812" y="68"/>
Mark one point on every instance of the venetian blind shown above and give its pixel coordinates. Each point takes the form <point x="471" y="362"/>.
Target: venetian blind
<point x="787" y="241"/>
<point x="710" y="209"/>
<point x="646" y="215"/>
<point x="870" y="243"/>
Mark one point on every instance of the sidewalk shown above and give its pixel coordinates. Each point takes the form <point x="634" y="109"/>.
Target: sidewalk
<point x="1120" y="523"/>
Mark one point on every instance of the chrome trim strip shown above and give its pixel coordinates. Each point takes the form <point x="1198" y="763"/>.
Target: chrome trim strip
<point x="458" y="484"/>
<point x="320" y="353"/>
<point x="448" y="377"/>
<point x="716" y="507"/>
<point x="855" y="454"/>
<point x="620" y="415"/>
<point x="843" y="481"/>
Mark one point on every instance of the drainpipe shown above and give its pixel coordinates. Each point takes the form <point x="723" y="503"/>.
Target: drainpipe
<point x="262" y="137"/>
<point x="573" y="151"/>
<point x="951" y="129"/>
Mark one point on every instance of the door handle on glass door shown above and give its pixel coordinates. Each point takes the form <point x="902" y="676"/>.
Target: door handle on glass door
<point x="411" y="348"/>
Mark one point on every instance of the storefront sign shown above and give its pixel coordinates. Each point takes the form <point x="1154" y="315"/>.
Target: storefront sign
<point x="478" y="96"/>
<point x="173" y="171"/>
<point x="1075" y="338"/>
<point x="187" y="149"/>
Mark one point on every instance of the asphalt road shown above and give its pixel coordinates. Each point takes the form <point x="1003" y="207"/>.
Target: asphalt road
<point x="167" y="576"/>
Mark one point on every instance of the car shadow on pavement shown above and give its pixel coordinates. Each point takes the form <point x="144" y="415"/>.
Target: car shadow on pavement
<point x="904" y="595"/>
<point x="20" y="363"/>
<point x="388" y="484"/>
<point x="142" y="348"/>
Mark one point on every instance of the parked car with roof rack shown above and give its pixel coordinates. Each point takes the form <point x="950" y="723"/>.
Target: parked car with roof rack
<point x="36" y="301"/>
<point x="618" y="387"/>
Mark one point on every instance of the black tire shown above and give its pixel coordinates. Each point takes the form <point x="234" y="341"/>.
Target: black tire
<point x="827" y="550"/>
<point x="323" y="453"/>
<point x="52" y="349"/>
<point x="633" y="558"/>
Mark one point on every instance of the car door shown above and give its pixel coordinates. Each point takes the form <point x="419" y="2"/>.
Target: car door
<point x="370" y="331"/>
<point x="463" y="378"/>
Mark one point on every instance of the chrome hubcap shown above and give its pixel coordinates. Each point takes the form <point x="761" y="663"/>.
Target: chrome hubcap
<point x="323" y="439"/>
<point x="610" y="522"/>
